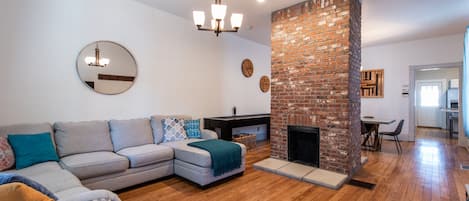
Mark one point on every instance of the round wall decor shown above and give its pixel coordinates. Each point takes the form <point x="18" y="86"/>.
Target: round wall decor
<point x="264" y="84"/>
<point x="247" y="68"/>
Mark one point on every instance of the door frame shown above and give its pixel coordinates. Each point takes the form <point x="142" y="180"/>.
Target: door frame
<point x="443" y="87"/>
<point x="412" y="99"/>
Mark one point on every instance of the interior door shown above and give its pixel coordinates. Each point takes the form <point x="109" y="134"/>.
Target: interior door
<point x="429" y="103"/>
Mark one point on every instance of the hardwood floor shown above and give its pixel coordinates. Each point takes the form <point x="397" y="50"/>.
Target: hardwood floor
<point x="427" y="170"/>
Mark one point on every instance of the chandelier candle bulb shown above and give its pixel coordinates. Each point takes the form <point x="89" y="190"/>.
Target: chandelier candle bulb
<point x="199" y="18"/>
<point x="218" y="11"/>
<point x="90" y="60"/>
<point x="104" y="61"/>
<point x="236" y="20"/>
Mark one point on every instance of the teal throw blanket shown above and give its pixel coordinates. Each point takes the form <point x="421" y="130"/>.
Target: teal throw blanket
<point x="226" y="156"/>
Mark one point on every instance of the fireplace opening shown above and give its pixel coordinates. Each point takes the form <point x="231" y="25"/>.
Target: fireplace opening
<point x="303" y="145"/>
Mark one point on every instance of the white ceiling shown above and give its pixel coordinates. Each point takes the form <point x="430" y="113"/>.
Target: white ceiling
<point x="388" y="21"/>
<point x="383" y="21"/>
<point x="256" y="22"/>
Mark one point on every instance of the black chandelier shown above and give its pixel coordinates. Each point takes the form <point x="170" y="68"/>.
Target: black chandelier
<point x="218" y="23"/>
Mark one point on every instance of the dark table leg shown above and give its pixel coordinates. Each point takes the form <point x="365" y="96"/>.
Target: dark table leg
<point x="376" y="146"/>
<point x="366" y="139"/>
<point x="451" y="129"/>
<point x="378" y="141"/>
<point x="227" y="133"/>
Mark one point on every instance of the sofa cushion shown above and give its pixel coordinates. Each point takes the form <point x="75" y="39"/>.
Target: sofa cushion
<point x="147" y="154"/>
<point x="189" y="154"/>
<point x="37" y="169"/>
<point x="82" y="137"/>
<point x="130" y="133"/>
<point x="7" y="158"/>
<point x="50" y="175"/>
<point x="27" y="129"/>
<point x="32" y="149"/>
<point x="194" y="155"/>
<point x="157" y="125"/>
<point x="94" y="164"/>
<point x="173" y="130"/>
<point x="192" y="128"/>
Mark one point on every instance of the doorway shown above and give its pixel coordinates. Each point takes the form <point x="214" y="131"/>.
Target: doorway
<point x="434" y="97"/>
<point x="429" y="94"/>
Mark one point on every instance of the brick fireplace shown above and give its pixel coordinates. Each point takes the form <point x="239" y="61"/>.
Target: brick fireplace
<point x="316" y="47"/>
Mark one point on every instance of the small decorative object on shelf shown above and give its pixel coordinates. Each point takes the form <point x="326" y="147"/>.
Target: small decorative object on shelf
<point x="249" y="140"/>
<point x="372" y="82"/>
<point x="234" y="111"/>
<point x="247" y="68"/>
<point x="264" y="84"/>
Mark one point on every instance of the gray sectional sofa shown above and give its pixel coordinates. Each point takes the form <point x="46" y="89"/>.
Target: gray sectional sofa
<point x="116" y="154"/>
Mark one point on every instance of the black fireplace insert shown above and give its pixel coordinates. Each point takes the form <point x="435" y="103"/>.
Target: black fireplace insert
<point x="303" y="145"/>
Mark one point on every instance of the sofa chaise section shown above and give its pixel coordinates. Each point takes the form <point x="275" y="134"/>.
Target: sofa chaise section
<point x="193" y="163"/>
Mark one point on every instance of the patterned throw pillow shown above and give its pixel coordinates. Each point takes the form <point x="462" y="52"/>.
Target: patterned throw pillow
<point x="192" y="128"/>
<point x="7" y="158"/>
<point x="173" y="130"/>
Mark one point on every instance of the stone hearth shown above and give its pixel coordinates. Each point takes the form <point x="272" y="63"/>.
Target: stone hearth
<point x="316" y="79"/>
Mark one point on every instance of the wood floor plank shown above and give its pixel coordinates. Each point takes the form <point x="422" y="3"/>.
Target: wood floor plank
<point x="428" y="169"/>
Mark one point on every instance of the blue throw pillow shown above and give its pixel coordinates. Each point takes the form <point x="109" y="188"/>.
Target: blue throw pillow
<point x="6" y="178"/>
<point x="32" y="149"/>
<point x="192" y="128"/>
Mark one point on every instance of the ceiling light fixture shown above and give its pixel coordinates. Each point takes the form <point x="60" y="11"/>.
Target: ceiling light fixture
<point x="261" y="1"/>
<point x="97" y="61"/>
<point x="218" y="23"/>
<point x="429" y="69"/>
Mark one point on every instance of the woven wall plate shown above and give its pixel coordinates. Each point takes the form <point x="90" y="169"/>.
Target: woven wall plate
<point x="247" y="68"/>
<point x="264" y="84"/>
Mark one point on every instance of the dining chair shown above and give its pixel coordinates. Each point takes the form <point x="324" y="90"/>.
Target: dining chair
<point x="365" y="132"/>
<point x="395" y="134"/>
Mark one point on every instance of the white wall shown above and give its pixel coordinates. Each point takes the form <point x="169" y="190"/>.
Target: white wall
<point x="239" y="91"/>
<point x="180" y="70"/>
<point x="395" y="59"/>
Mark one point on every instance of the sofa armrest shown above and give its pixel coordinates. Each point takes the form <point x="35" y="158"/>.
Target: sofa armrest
<point x="98" y="195"/>
<point x="209" y="134"/>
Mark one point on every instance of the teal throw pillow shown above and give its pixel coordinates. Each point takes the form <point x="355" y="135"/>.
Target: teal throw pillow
<point x="192" y="128"/>
<point x="32" y="149"/>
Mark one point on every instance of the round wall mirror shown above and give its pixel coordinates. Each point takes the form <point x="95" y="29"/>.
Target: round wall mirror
<point x="106" y="67"/>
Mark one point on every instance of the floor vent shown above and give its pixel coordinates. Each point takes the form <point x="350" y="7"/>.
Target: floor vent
<point x="362" y="184"/>
<point x="464" y="166"/>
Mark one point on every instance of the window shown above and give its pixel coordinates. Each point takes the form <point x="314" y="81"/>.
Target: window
<point x="430" y="96"/>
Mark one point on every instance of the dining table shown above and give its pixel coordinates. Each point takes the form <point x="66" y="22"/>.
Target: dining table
<point x="373" y="124"/>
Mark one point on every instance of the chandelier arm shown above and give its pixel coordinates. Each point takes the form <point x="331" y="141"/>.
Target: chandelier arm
<point x="204" y="29"/>
<point x="230" y="30"/>
<point x="224" y="30"/>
